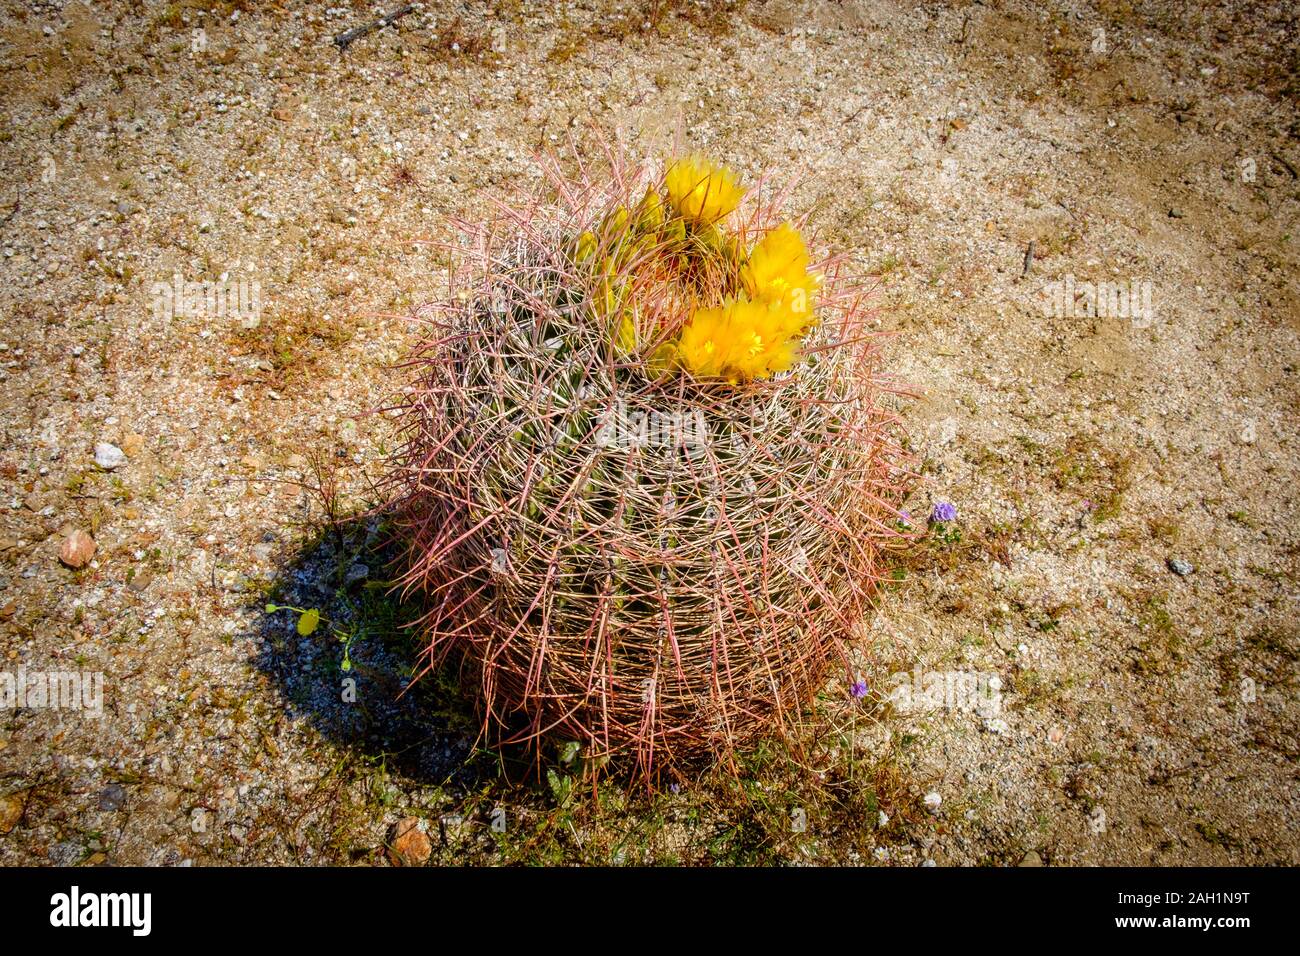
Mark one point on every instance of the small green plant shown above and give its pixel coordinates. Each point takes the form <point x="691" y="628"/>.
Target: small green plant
<point x="945" y="533"/>
<point x="309" y="620"/>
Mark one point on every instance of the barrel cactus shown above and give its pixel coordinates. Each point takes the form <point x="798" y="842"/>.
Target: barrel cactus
<point x="647" y="475"/>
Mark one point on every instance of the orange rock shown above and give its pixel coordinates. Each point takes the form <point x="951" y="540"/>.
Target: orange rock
<point x="11" y="810"/>
<point x="410" y="846"/>
<point x="77" y="549"/>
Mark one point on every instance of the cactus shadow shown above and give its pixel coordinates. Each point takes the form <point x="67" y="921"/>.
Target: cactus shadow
<point x="350" y="676"/>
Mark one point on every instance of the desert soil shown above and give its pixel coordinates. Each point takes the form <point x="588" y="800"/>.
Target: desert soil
<point x="1124" y="553"/>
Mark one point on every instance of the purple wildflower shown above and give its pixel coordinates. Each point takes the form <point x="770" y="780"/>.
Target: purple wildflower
<point x="859" y="689"/>
<point x="943" y="511"/>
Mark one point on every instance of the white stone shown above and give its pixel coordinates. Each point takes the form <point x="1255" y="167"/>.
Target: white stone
<point x="109" y="456"/>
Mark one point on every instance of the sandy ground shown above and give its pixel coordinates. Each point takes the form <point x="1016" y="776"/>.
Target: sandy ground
<point x="1124" y="558"/>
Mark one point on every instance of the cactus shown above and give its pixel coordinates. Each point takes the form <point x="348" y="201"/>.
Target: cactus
<point x="647" y="473"/>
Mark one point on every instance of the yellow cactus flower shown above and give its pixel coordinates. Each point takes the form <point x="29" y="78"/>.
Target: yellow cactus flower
<point x="700" y="191"/>
<point x="704" y="343"/>
<point x="777" y="273"/>
<point x="669" y="255"/>
<point x="739" y="341"/>
<point x="768" y="336"/>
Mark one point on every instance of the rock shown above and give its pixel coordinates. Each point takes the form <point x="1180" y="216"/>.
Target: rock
<point x="132" y="445"/>
<point x="11" y="810"/>
<point x="1031" y="859"/>
<point x="235" y="582"/>
<point x="140" y="582"/>
<point x="77" y="549"/>
<point x="933" y="801"/>
<point x="109" y="456"/>
<point x="1176" y="213"/>
<point x="1180" y="567"/>
<point x="410" y="846"/>
<point x="112" y="797"/>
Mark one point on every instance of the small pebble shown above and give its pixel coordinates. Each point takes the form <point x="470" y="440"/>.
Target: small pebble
<point x="410" y="846"/>
<point x="77" y="549"/>
<point x="11" y="810"/>
<point x="109" y="456"/>
<point x="112" y="797"/>
<point x="1180" y="567"/>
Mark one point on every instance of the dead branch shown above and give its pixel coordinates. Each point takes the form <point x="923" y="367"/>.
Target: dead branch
<point x="347" y="36"/>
